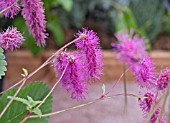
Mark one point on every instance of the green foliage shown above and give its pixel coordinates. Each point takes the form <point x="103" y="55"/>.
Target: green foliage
<point x="30" y="104"/>
<point x="66" y="4"/>
<point x="126" y="20"/>
<point x="25" y="101"/>
<point x="148" y="14"/>
<point x="3" y="63"/>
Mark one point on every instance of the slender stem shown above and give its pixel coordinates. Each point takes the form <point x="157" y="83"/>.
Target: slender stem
<point x="7" y="7"/>
<point x="52" y="89"/>
<point x="54" y="113"/>
<point x="13" y="86"/>
<point x="8" y="104"/>
<point x="163" y="107"/>
<point x="155" y="107"/>
<point x="25" y="118"/>
<point x="82" y="105"/>
<point x="117" y="81"/>
<point x="125" y="93"/>
<point x="31" y="74"/>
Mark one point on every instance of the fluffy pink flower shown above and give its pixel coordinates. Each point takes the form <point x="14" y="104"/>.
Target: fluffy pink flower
<point x="33" y="13"/>
<point x="90" y="54"/>
<point x="12" y="11"/>
<point x="130" y="48"/>
<point x="163" y="79"/>
<point x="72" y="79"/>
<point x="144" y="71"/>
<point x="146" y="104"/>
<point x="11" y="39"/>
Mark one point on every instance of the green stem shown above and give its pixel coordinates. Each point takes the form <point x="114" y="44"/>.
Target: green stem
<point x="155" y="107"/>
<point x="163" y="106"/>
<point x="125" y="93"/>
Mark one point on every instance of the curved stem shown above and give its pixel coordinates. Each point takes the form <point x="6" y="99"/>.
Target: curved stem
<point x="7" y="7"/>
<point x="54" y="113"/>
<point x="31" y="74"/>
<point x="125" y="93"/>
<point x="12" y="86"/>
<point x="117" y="81"/>
<point x="82" y="105"/>
<point x="52" y="89"/>
<point x="163" y="107"/>
<point x="9" y="103"/>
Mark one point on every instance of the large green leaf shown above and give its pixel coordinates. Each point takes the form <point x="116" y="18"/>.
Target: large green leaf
<point x="17" y="110"/>
<point x="3" y="63"/>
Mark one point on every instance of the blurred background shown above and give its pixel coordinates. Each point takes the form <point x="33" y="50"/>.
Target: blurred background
<point x="149" y="18"/>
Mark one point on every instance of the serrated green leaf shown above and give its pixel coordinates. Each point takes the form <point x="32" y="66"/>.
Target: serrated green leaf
<point x="22" y="100"/>
<point x="3" y="63"/>
<point x="17" y="110"/>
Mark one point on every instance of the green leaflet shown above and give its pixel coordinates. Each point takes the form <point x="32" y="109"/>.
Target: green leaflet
<point x="18" y="109"/>
<point x="3" y="63"/>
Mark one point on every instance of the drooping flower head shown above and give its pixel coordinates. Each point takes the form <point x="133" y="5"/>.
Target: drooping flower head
<point x="146" y="104"/>
<point x="12" y="11"/>
<point x="90" y="54"/>
<point x="72" y="80"/>
<point x="33" y="13"/>
<point x="11" y="39"/>
<point x="144" y="71"/>
<point x="163" y="79"/>
<point x="130" y="48"/>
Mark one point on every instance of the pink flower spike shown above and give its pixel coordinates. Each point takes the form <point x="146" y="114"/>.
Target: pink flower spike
<point x="163" y="79"/>
<point x="90" y="54"/>
<point x="11" y="39"/>
<point x="144" y="71"/>
<point x="33" y="13"/>
<point x="12" y="11"/>
<point x="72" y="80"/>
<point x="131" y="49"/>
<point x="146" y="103"/>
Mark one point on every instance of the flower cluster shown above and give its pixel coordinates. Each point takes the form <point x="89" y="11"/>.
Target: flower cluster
<point x="90" y="54"/>
<point x="131" y="48"/>
<point x="132" y="51"/>
<point x="12" y="11"/>
<point x="33" y="13"/>
<point x="85" y="65"/>
<point x="163" y="79"/>
<point x="144" y="71"/>
<point x="11" y="39"/>
<point x="72" y="79"/>
<point x="146" y="104"/>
